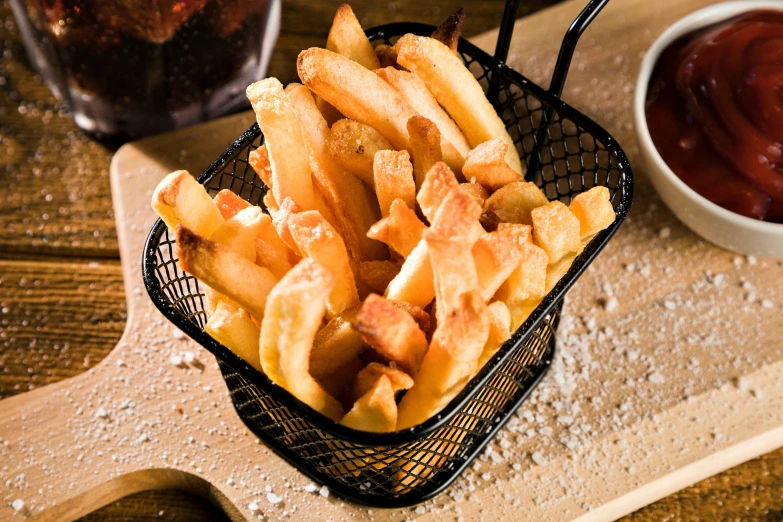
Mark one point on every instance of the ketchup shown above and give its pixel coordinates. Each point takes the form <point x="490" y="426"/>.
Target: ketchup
<point x="715" y="113"/>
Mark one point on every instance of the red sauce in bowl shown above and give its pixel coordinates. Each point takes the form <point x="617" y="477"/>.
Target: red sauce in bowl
<point x="715" y="113"/>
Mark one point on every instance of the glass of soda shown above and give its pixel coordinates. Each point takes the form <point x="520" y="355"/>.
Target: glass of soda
<point x="131" y="68"/>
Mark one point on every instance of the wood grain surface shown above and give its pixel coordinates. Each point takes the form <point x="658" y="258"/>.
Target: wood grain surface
<point x="61" y="285"/>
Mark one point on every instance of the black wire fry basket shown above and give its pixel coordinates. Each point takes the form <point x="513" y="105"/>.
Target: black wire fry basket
<point x="565" y="153"/>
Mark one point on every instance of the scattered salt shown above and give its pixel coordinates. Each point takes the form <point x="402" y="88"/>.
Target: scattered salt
<point x="766" y="303"/>
<point x="189" y="357"/>
<point x="611" y="304"/>
<point x="17" y="504"/>
<point x="176" y="360"/>
<point x="273" y="499"/>
<point x="324" y="492"/>
<point x="538" y="458"/>
<point x="664" y="233"/>
<point x="311" y="488"/>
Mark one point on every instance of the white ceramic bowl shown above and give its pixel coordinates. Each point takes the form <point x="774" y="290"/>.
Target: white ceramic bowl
<point x="716" y="224"/>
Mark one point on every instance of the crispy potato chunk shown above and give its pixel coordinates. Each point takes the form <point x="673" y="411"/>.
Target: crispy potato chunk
<point x="415" y="92"/>
<point x="514" y="202"/>
<point x="528" y="280"/>
<point x="523" y="232"/>
<point x="401" y="229"/>
<point x="229" y="203"/>
<point x="387" y="56"/>
<point x="288" y="153"/>
<point x="496" y="255"/>
<point x="476" y="191"/>
<point x="354" y="146"/>
<point x="486" y="164"/>
<point x="375" y="411"/>
<point x="295" y="308"/>
<point x="368" y="376"/>
<point x="456" y="89"/>
<point x="347" y="37"/>
<point x="392" y="333"/>
<point x="317" y="239"/>
<point x="437" y="184"/>
<point x="450" y="30"/>
<point x="239" y="232"/>
<point x="347" y="199"/>
<point x="393" y="175"/>
<point x="499" y="331"/>
<point x="378" y="274"/>
<point x="233" y="328"/>
<point x="556" y="230"/>
<point x="226" y="272"/>
<point x="335" y="345"/>
<point x="556" y="271"/>
<point x="259" y="161"/>
<point x="181" y="200"/>
<point x="594" y="211"/>
<point x="425" y="144"/>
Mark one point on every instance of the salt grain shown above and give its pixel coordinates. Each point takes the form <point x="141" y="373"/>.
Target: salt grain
<point x="538" y="458"/>
<point x="17" y="504"/>
<point x="664" y="233"/>
<point x="273" y="499"/>
<point x="324" y="492"/>
<point x="611" y="304"/>
<point x="311" y="488"/>
<point x="252" y="507"/>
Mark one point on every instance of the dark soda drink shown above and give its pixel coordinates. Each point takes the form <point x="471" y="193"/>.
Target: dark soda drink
<point x="138" y="67"/>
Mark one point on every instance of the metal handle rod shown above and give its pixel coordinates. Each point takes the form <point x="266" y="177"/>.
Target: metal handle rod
<point x="506" y="30"/>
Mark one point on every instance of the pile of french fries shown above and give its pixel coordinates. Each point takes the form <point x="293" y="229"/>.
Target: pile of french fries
<point x="401" y="246"/>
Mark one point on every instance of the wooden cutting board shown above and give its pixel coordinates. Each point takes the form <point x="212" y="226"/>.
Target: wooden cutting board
<point x="669" y="365"/>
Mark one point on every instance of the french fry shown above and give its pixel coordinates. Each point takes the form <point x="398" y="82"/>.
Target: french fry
<point x="421" y="317"/>
<point x="295" y="308"/>
<point x="239" y="232"/>
<point x="362" y="96"/>
<point x="514" y="202"/>
<point x="415" y="92"/>
<point x="259" y="162"/>
<point x="557" y="270"/>
<point x="528" y="280"/>
<point x="354" y="146"/>
<point x="425" y="145"/>
<point x="270" y="258"/>
<point x="232" y="327"/>
<point x="437" y="184"/>
<point x="335" y="345"/>
<point x="456" y="89"/>
<point x="288" y="153"/>
<point x="496" y="255"/>
<point x="375" y="411"/>
<point x="392" y="333"/>
<point x="486" y="164"/>
<point x="414" y="283"/>
<point x="393" y="176"/>
<point x="226" y="272"/>
<point x="280" y="219"/>
<point x="450" y="30"/>
<point x="328" y="111"/>
<point x="594" y="211"/>
<point x="499" y="331"/>
<point x="378" y="274"/>
<point x="317" y="239"/>
<point x="347" y="198"/>
<point x="457" y="217"/>
<point x="347" y="37"/>
<point x="401" y="229"/>
<point x="181" y="200"/>
<point x="270" y="204"/>
<point x="370" y="374"/>
<point x="476" y="191"/>
<point x="556" y="230"/>
<point x="387" y="56"/>
<point x="451" y="360"/>
<point x="229" y="203"/>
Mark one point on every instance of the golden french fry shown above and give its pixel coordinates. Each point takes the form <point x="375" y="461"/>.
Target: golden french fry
<point x="486" y="164"/>
<point x="556" y="271"/>
<point x="375" y="411"/>
<point x="425" y="145"/>
<point x="259" y="161"/>
<point x="414" y="283"/>
<point x="496" y="255"/>
<point x="181" y="200"/>
<point x="328" y="111"/>
<point x="295" y="308"/>
<point x="391" y="332"/>
<point x="594" y="211"/>
<point x="556" y="230"/>
<point x="415" y="92"/>
<point x="387" y="56"/>
<point x="271" y="258"/>
<point x="393" y="175"/>
<point x="450" y="30"/>
<point x="346" y="197"/>
<point x="226" y="272"/>
<point x="270" y="204"/>
<point x="233" y="328"/>
<point x="347" y="37"/>
<point x="514" y="202"/>
<point x="370" y="374"/>
<point x="362" y="96"/>
<point x="354" y="145"/>
<point x="378" y="274"/>
<point x="499" y="331"/>
<point x="229" y="203"/>
<point x="456" y="217"/>
<point x="401" y="229"/>
<point x="280" y="219"/>
<point x="456" y="89"/>
<point x="437" y="184"/>
<point x="335" y="345"/>
<point x="421" y="317"/>
<point x="316" y="239"/>
<point x="451" y="360"/>
<point x="476" y="191"/>
<point x="239" y="232"/>
<point x="528" y="280"/>
<point x="288" y="153"/>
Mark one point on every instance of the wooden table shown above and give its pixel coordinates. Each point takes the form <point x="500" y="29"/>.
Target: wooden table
<point x="62" y="306"/>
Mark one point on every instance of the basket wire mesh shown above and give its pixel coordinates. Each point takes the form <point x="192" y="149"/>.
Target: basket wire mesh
<point x="568" y="153"/>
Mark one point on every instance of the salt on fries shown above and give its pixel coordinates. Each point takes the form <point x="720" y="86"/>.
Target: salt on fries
<point x="402" y="245"/>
